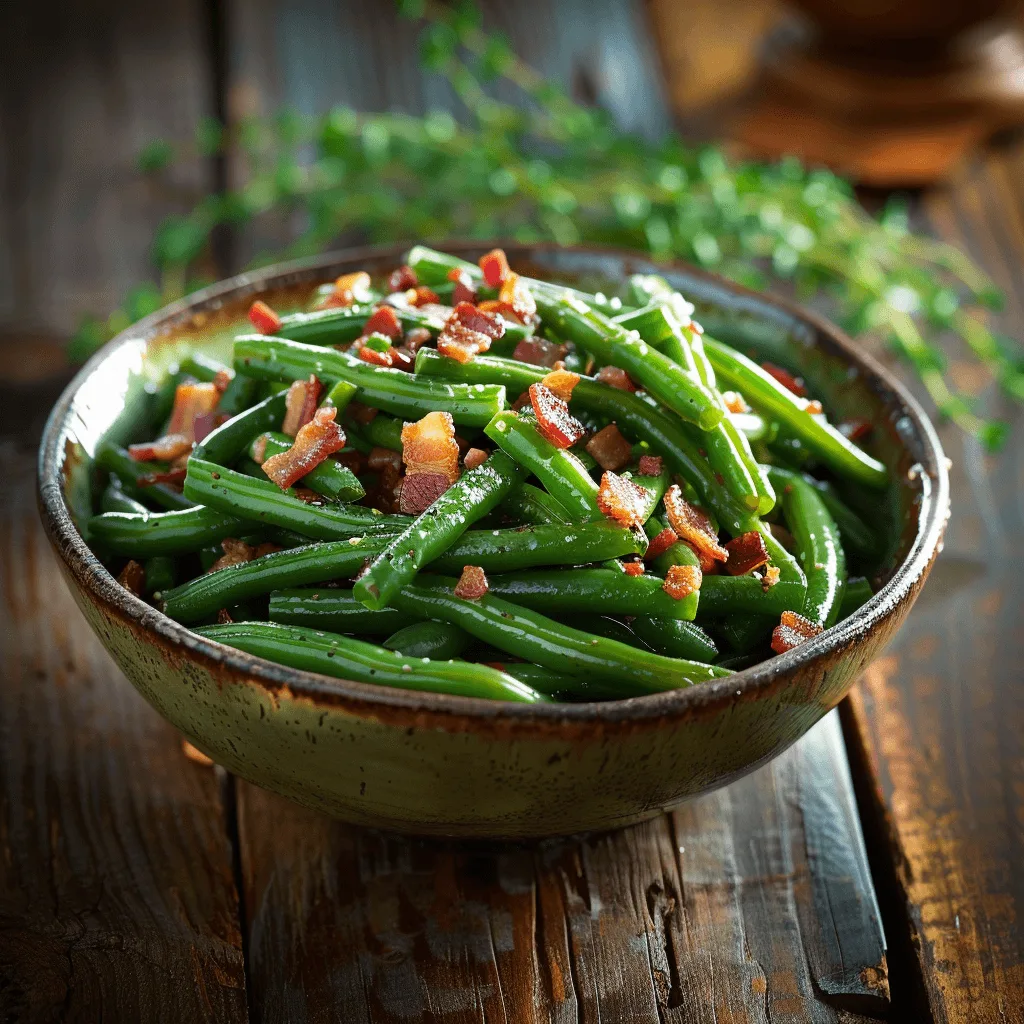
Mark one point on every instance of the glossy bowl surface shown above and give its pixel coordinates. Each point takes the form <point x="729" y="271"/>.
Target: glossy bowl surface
<point x="437" y="764"/>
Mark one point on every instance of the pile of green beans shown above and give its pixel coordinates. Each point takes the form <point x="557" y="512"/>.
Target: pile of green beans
<point x="330" y="577"/>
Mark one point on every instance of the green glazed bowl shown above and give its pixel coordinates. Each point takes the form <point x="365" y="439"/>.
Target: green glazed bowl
<point x="437" y="764"/>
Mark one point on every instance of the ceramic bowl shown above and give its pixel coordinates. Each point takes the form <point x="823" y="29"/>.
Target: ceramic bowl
<point x="437" y="764"/>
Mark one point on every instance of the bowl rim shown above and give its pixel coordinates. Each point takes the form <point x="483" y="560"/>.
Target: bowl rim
<point x="749" y="683"/>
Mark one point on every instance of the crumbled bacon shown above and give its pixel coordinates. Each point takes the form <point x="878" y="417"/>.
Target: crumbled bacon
<point x="206" y="422"/>
<point x="429" y="446"/>
<point x="615" y="377"/>
<point x="692" y="525"/>
<point x="554" y="420"/>
<point x="472" y="583"/>
<point x="464" y="290"/>
<point x="792" y="631"/>
<point x="384" y="320"/>
<point x="133" y="577"/>
<point x="467" y="332"/>
<point x="633" y="568"/>
<point x="622" y="500"/>
<point x="423" y="296"/>
<point x="416" y="339"/>
<point x="174" y="477"/>
<point x="235" y="553"/>
<point x="814" y="407"/>
<point x="163" y="449"/>
<point x="661" y="543"/>
<point x="420" y="490"/>
<point x="708" y="564"/>
<point x="475" y="457"/>
<point x="538" y="352"/>
<point x="191" y="400"/>
<point x="746" y="553"/>
<point x="403" y="359"/>
<point x="259" y="449"/>
<point x="855" y="430"/>
<point x="383" y="458"/>
<point x="263" y="318"/>
<point x="786" y="379"/>
<point x="351" y="459"/>
<point x="561" y="382"/>
<point x="610" y="448"/>
<point x="300" y="405"/>
<point x="495" y="268"/>
<point x="515" y="294"/>
<point x="402" y="279"/>
<point x="682" y="580"/>
<point x="313" y="443"/>
<point x="650" y="465"/>
<point x="375" y="358"/>
<point x="521" y="402"/>
<point x="222" y="378"/>
<point x="361" y="414"/>
<point x="308" y="495"/>
<point x="770" y="577"/>
<point x="351" y="288"/>
<point x="734" y="402"/>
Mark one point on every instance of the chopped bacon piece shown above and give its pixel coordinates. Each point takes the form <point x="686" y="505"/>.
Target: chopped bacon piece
<point x="402" y="279"/>
<point x="682" y="580"/>
<point x="561" y="382"/>
<point x="814" y="407"/>
<point x="416" y="339"/>
<point x="792" y="631"/>
<point x="616" y="378"/>
<point x="423" y="296"/>
<point x="495" y="267"/>
<point x="746" y="553"/>
<point x="622" y="500"/>
<point x="313" y="443"/>
<point x="554" y="420"/>
<point x="661" y="543"/>
<point x="174" y="477"/>
<point x="650" y="465"/>
<point x="472" y="583"/>
<point x="517" y="296"/>
<point x="222" y="378"/>
<point x="734" y="402"/>
<point x="191" y="400"/>
<point x="610" y="448"/>
<point x="403" y="359"/>
<point x="163" y="449"/>
<point x="420" y="491"/>
<point x="521" y="402"/>
<point x="352" y="459"/>
<point x="259" y="449"/>
<point x="300" y="405"/>
<point x="133" y="577"/>
<point x="309" y="496"/>
<point x="263" y="318"/>
<point x="633" y="568"/>
<point x="708" y="565"/>
<point x="235" y="553"/>
<point x="374" y="357"/>
<point x="464" y="290"/>
<point x="475" y="457"/>
<point x="206" y="422"/>
<point x="468" y="332"/>
<point x="384" y="458"/>
<point x="429" y="446"/>
<point x="786" y="379"/>
<point x="693" y="526"/>
<point x="384" y="320"/>
<point x="855" y="430"/>
<point x="361" y="414"/>
<point x="538" y="352"/>
<point x="770" y="578"/>
<point x="351" y="288"/>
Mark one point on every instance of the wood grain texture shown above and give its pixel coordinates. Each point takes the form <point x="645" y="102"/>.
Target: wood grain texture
<point x="117" y="897"/>
<point x="751" y="904"/>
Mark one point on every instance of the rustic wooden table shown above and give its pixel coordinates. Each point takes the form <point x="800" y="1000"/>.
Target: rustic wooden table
<point x="872" y="872"/>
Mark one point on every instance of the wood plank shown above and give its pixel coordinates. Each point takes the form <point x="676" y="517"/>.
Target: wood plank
<point x="117" y="896"/>
<point x="940" y="720"/>
<point x="750" y="904"/>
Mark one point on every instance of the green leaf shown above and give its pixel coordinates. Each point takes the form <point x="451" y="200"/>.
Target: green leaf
<point x="154" y="156"/>
<point x="90" y="335"/>
<point x="179" y="240"/>
<point x="209" y="136"/>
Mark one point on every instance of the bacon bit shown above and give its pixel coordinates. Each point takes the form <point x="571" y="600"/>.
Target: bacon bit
<point x="352" y="459"/>
<point x="420" y="490"/>
<point x="661" y="543"/>
<point x="615" y="377"/>
<point x="463" y="444"/>
<point x="429" y="446"/>
<point x="650" y="465"/>
<point x="770" y="578"/>
<point x="207" y="422"/>
<point x="384" y="458"/>
<point x="610" y="448"/>
<point x="682" y="580"/>
<point x="633" y="568"/>
<point x="259" y="449"/>
<point x="222" y="379"/>
<point x="695" y="327"/>
<point x="792" y="631"/>
<point x="416" y="339"/>
<point x="263" y="318"/>
<point x="855" y="430"/>
<point x="384" y="320"/>
<point x="192" y="753"/>
<point x="472" y="583"/>
<point x="464" y="290"/>
<point x="786" y="379"/>
<point x="561" y="382"/>
<point x="423" y="296"/>
<point x="814" y="407"/>
<point x="174" y="477"/>
<point x="191" y="399"/>
<point x="361" y="414"/>
<point x="375" y="358"/>
<point x="235" y="553"/>
<point x="559" y="364"/>
<point x="300" y="405"/>
<point x="735" y="402"/>
<point x="164" y="449"/>
<point x="133" y="578"/>
<point x="402" y="279"/>
<point x="521" y="402"/>
<point x="475" y="457"/>
<point x="309" y="496"/>
<point x="517" y="296"/>
<point x="495" y="268"/>
<point x="708" y="565"/>
<point x="693" y="526"/>
<point x="554" y="420"/>
<point x="538" y="352"/>
<point x="467" y="332"/>
<point x="351" y="288"/>
<point x="622" y="500"/>
<point x="403" y="359"/>
<point x="313" y="443"/>
<point x="746" y="553"/>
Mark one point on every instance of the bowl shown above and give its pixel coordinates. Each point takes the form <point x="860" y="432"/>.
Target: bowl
<point x="445" y="765"/>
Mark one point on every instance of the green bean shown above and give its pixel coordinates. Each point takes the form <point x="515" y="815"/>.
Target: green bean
<point x="335" y="610"/>
<point x="437" y="640"/>
<point x="340" y="395"/>
<point x="470" y="498"/>
<point x="770" y="398"/>
<point x="601" y="591"/>
<point x="384" y="432"/>
<point x="114" y="499"/>
<point x="604" y="625"/>
<point x="530" y="504"/>
<point x="544" y="680"/>
<point x="817" y="540"/>
<point x="675" y="638"/>
<point x="330" y="477"/>
<point x="116" y="460"/>
<point x="746" y="632"/>
<point x="559" y="470"/>
<point x="201" y="366"/>
<point x="161" y="572"/>
<point x="655" y="486"/>
<point x="393" y="391"/>
<point x="857" y="593"/>
<point x="650" y="322"/>
<point x="856" y="535"/>
<point x="602" y="667"/>
<point x="162" y="533"/>
<point x="228" y="441"/>
<point x="723" y="595"/>
<point x="346" y="658"/>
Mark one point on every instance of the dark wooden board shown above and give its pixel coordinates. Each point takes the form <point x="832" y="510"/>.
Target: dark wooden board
<point x="117" y="895"/>
<point x="751" y="904"/>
